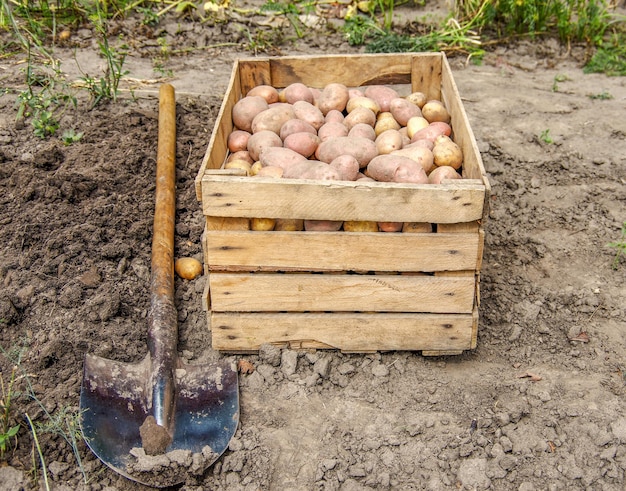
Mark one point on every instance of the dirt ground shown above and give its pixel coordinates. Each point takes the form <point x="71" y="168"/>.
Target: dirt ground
<point x="75" y="261"/>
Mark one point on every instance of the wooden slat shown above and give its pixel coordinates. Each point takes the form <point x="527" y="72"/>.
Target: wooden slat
<point x="340" y="251"/>
<point x="253" y="72"/>
<point x="327" y="292"/>
<point x="227" y="223"/>
<point x="459" y="201"/>
<point x="352" y="332"/>
<point x="350" y="70"/>
<point x="426" y="75"/>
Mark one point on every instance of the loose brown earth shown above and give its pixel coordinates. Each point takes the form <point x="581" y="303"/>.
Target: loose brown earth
<point x="76" y="223"/>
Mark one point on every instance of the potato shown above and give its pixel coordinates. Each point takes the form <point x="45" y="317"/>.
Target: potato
<point x="238" y="140"/>
<point x="256" y="167"/>
<point x="355" y="92"/>
<point x="261" y="140"/>
<point x="295" y="126"/>
<point x="239" y="164"/>
<point x="289" y="224"/>
<point x="434" y="110"/>
<point x="390" y="226"/>
<point x="334" y="116"/>
<point x="320" y="171"/>
<point x="241" y="155"/>
<point x="188" y="268"/>
<point x="388" y="141"/>
<point x="322" y="225"/>
<point x="417" y="228"/>
<point x="432" y="131"/>
<point x="419" y="154"/>
<point x="245" y="110"/>
<point x="362" y="130"/>
<point x="280" y="157"/>
<point x="362" y="101"/>
<point x="360" y="226"/>
<point x="309" y="113"/>
<point x="360" y="115"/>
<point x="442" y="139"/>
<point x="384" y="122"/>
<point x="262" y="224"/>
<point x="382" y="95"/>
<point x="396" y="168"/>
<point x="403" y="110"/>
<point x="347" y="167"/>
<point x="297" y="92"/>
<point x="269" y="93"/>
<point x="270" y="171"/>
<point x="415" y="124"/>
<point x="441" y="173"/>
<point x="304" y="143"/>
<point x="448" y="153"/>
<point x="360" y="148"/>
<point x="417" y="98"/>
<point x="332" y="130"/>
<point x="429" y="144"/>
<point x="273" y="118"/>
<point x="333" y="96"/>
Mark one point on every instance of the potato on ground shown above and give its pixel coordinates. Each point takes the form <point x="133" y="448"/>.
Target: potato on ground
<point x="273" y="118"/>
<point x="245" y="110"/>
<point x="309" y="113"/>
<point x="382" y="94"/>
<point x="333" y="96"/>
<point x="304" y="143"/>
<point x="395" y="168"/>
<point x="269" y="93"/>
<point x="361" y="149"/>
<point x="262" y="140"/>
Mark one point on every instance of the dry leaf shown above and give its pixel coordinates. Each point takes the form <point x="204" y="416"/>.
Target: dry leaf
<point x="244" y="366"/>
<point x="582" y="337"/>
<point x="533" y="377"/>
<point x="552" y="446"/>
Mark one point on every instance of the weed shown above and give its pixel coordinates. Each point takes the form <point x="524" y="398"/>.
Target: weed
<point x="558" y="79"/>
<point x="7" y="431"/>
<point x="545" y="136"/>
<point x="603" y="96"/>
<point x="38" y="447"/>
<point x="70" y="136"/>
<point x="610" y="56"/>
<point x="620" y="246"/>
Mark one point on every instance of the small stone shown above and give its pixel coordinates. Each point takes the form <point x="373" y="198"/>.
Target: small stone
<point x="289" y="362"/>
<point x="270" y="354"/>
<point x="472" y="474"/>
<point x="322" y="367"/>
<point x="181" y="457"/>
<point x="90" y="278"/>
<point x="507" y="445"/>
<point x="526" y="486"/>
<point x="329" y="464"/>
<point x="345" y="368"/>
<point x="618" y="428"/>
<point x="380" y="370"/>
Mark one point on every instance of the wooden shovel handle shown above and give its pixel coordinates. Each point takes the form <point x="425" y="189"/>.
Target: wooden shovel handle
<point x="163" y="317"/>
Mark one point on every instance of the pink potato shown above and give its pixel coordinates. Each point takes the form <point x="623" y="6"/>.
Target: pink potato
<point x="309" y="113"/>
<point x="390" y="226"/>
<point x="402" y="110"/>
<point x="280" y="157"/>
<point x="332" y="129"/>
<point x="362" y="149"/>
<point x="322" y="225"/>
<point x="347" y="166"/>
<point x="238" y="140"/>
<point x="333" y="96"/>
<point x="419" y="154"/>
<point x="432" y="131"/>
<point x="441" y="173"/>
<point x="388" y="141"/>
<point x="297" y="92"/>
<point x="320" y="171"/>
<point x="360" y="115"/>
<point x="382" y="95"/>
<point x="261" y="140"/>
<point x="395" y="168"/>
<point x="304" y="143"/>
<point x="270" y="171"/>
<point x="273" y="118"/>
<point x="363" y="130"/>
<point x="334" y="116"/>
<point x="295" y="126"/>
<point x="269" y="93"/>
<point x="246" y="109"/>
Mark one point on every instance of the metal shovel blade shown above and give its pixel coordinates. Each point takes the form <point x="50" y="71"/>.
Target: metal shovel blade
<point x="114" y="403"/>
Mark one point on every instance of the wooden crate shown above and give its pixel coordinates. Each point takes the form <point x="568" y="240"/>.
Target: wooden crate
<point x="356" y="292"/>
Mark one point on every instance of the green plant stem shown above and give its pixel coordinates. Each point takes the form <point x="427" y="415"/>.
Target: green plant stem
<point x="42" y="460"/>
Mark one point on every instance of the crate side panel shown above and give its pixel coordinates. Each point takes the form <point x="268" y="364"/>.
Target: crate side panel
<point x="426" y="75"/>
<point x="329" y="292"/>
<point x="253" y="73"/>
<point x="458" y="201"/>
<point x="217" y="149"/>
<point x="345" y="331"/>
<point x="350" y="70"/>
<point x="340" y="251"/>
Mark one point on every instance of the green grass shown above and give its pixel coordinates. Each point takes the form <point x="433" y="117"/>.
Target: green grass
<point x="620" y="247"/>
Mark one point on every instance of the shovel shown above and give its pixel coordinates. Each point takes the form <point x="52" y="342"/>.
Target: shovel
<point x="160" y="421"/>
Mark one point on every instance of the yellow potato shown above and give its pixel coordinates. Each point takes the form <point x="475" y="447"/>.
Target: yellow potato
<point x="188" y="268"/>
<point x="362" y="101"/>
<point x="415" y="124"/>
<point x="434" y="110"/>
<point x="360" y="226"/>
<point x="417" y="98"/>
<point x="262" y="224"/>
<point x="239" y="164"/>
<point x="448" y="153"/>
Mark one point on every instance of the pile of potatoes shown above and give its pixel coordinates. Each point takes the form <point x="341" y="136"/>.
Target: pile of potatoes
<point x="339" y="133"/>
